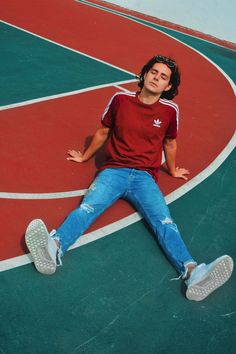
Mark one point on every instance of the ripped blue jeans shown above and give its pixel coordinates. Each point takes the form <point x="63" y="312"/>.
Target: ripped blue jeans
<point x="139" y="188"/>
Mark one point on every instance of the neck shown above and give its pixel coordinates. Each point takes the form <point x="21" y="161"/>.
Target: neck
<point x="148" y="97"/>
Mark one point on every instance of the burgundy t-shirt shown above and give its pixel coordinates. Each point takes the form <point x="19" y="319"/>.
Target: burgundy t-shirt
<point x="137" y="131"/>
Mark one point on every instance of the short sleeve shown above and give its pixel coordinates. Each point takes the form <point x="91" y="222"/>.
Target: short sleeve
<point x="108" y="116"/>
<point x="172" y="130"/>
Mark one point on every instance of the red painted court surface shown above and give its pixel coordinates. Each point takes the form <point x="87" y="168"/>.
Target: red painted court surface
<point x="37" y="136"/>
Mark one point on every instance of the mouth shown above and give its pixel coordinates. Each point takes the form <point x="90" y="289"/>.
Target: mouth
<point x="153" y="84"/>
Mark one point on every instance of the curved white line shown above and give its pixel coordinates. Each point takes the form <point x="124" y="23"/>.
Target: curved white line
<point x="120" y="224"/>
<point x="141" y="19"/>
<point x="51" y="97"/>
<point x="151" y="24"/>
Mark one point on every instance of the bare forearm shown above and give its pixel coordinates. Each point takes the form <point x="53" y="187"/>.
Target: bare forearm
<point x="97" y="142"/>
<point x="170" y="150"/>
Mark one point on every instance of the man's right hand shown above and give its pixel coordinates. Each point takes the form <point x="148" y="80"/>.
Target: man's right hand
<point x="75" y="156"/>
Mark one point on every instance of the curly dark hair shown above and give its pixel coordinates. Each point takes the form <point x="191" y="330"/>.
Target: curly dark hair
<point x="174" y="79"/>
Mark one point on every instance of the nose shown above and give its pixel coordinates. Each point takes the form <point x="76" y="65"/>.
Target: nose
<point x="157" y="76"/>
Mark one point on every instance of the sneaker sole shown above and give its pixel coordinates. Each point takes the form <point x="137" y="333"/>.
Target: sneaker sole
<point x="36" y="239"/>
<point x="216" y="277"/>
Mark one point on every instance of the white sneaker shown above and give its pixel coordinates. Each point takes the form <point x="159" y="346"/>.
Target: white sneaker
<point x="205" y="279"/>
<point x="42" y="247"/>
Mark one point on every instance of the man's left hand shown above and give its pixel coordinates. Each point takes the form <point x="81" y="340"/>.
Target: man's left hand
<point x="181" y="173"/>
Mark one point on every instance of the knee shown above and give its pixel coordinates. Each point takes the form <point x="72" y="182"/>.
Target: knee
<point x="167" y="221"/>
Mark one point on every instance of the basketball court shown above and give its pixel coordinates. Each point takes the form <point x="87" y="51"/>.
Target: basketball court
<point x="61" y="62"/>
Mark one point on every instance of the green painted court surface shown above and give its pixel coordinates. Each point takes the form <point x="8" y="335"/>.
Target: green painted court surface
<point x="115" y="295"/>
<point x="40" y="68"/>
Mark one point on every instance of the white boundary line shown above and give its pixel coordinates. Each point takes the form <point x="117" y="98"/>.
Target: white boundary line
<point x="150" y="24"/>
<point x="43" y="196"/>
<point x="120" y="13"/>
<point x="121" y="88"/>
<point x="61" y="95"/>
<point x="65" y="47"/>
<point x="51" y="97"/>
<point x="214" y="165"/>
<point x="124" y="222"/>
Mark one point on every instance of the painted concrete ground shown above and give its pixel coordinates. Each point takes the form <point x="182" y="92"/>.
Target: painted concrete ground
<point x="113" y="295"/>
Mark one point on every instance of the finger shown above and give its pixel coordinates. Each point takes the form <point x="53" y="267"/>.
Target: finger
<point x="71" y="158"/>
<point x="185" y="178"/>
<point x="184" y="171"/>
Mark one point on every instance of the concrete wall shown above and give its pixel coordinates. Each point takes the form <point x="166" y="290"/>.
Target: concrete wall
<point x="214" y="17"/>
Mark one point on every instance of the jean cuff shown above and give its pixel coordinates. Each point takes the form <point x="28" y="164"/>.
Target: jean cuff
<point x="186" y="264"/>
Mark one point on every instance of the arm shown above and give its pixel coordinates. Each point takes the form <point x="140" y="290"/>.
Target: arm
<point x="98" y="141"/>
<point x="170" y="149"/>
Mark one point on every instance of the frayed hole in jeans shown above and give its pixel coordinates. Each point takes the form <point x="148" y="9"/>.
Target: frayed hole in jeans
<point x="166" y="221"/>
<point x="88" y="208"/>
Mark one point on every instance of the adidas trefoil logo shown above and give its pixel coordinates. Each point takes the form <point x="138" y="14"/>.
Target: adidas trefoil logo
<point x="157" y="123"/>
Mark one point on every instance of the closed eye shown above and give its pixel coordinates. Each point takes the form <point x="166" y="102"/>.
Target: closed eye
<point x="164" y="77"/>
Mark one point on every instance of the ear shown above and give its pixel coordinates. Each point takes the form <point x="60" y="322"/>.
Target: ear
<point x="168" y="87"/>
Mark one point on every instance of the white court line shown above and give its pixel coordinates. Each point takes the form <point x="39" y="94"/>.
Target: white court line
<point x="66" y="47"/>
<point x="61" y="95"/>
<point x="120" y="224"/>
<point x="150" y="24"/>
<point x="214" y="165"/>
<point x="43" y="196"/>
<point x="123" y="14"/>
<point x="121" y="88"/>
<point x="46" y="98"/>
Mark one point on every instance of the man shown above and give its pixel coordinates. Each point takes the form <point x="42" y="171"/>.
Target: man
<point x="137" y="127"/>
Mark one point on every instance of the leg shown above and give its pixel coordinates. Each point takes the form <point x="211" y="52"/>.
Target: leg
<point x="103" y="192"/>
<point x="202" y="279"/>
<point x="145" y="195"/>
<point x="46" y="250"/>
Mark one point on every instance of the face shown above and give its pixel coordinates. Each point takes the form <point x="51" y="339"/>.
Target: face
<point x="157" y="79"/>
